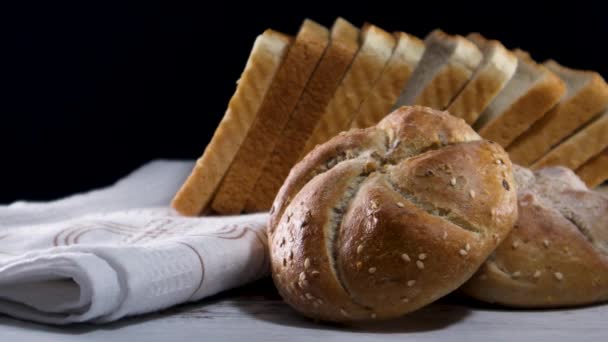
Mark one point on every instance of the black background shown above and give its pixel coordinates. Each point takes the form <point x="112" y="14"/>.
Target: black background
<point x="91" y="90"/>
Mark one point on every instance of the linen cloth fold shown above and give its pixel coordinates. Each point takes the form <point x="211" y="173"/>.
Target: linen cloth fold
<point x="120" y="251"/>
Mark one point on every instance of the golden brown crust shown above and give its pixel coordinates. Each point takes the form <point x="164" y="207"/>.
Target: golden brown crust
<point x="526" y="110"/>
<point x="280" y="100"/>
<point x="555" y="256"/>
<point x="580" y="147"/>
<point x="385" y="92"/>
<point x="382" y="221"/>
<point x="264" y="60"/>
<point x="318" y="92"/>
<point x="562" y="120"/>
<point x="376" y="49"/>
<point x="595" y="171"/>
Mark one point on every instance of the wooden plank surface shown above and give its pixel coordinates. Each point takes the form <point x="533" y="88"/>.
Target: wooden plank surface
<point x="256" y="313"/>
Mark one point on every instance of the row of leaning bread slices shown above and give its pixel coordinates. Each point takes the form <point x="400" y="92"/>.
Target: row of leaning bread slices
<point x="297" y="92"/>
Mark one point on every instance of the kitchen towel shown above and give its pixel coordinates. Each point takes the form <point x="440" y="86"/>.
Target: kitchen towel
<point x="120" y="251"/>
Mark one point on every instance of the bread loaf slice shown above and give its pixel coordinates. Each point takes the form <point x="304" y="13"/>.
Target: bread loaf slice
<point x="446" y="66"/>
<point x="580" y="147"/>
<point x="344" y="43"/>
<point x="376" y="48"/>
<point x="398" y="70"/>
<point x="532" y="91"/>
<point x="264" y="60"/>
<point x="280" y="101"/>
<point x="594" y="171"/>
<point x="586" y="96"/>
<point x="490" y="77"/>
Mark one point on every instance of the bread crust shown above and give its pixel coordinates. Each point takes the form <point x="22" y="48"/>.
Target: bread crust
<point x="264" y="60"/>
<point x="344" y="43"/>
<point x="580" y="147"/>
<point x="488" y="80"/>
<point x="563" y="120"/>
<point x="595" y="171"/>
<point x="526" y="110"/>
<point x="279" y="102"/>
<point x="376" y="49"/>
<point x="556" y="255"/>
<point x="397" y="72"/>
<point x="381" y="221"/>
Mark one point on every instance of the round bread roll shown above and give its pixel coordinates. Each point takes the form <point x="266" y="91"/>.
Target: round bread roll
<point x="557" y="254"/>
<point x="381" y="221"/>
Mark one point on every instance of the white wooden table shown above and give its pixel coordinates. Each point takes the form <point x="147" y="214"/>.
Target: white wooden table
<point x="256" y="313"/>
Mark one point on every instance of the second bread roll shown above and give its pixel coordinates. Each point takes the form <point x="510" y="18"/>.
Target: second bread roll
<point x="379" y="222"/>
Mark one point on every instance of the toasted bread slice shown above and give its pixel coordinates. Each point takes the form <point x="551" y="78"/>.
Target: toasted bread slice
<point x="344" y="43"/>
<point x="595" y="171"/>
<point x="573" y="152"/>
<point x="446" y="66"/>
<point x="264" y="60"/>
<point x="398" y="70"/>
<point x="532" y="91"/>
<point x="280" y="101"/>
<point x="376" y="48"/>
<point x="490" y="77"/>
<point x="585" y="97"/>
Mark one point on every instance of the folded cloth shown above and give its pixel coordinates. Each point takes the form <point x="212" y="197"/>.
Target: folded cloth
<point x="120" y="251"/>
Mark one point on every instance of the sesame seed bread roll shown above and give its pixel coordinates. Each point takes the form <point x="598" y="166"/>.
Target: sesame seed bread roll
<point x="264" y="61"/>
<point x="557" y="254"/>
<point x="382" y="221"/>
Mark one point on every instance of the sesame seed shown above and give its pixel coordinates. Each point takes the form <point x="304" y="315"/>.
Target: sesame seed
<point x="306" y="263"/>
<point x="453" y="181"/>
<point x="515" y="244"/>
<point x="373" y="315"/>
<point x="445" y="234"/>
<point x="320" y="301"/>
<point x="302" y="276"/>
<point x="405" y="257"/>
<point x="422" y="256"/>
<point x="505" y="185"/>
<point x="462" y="252"/>
<point x="546" y="243"/>
<point x="359" y="249"/>
<point x="309" y="296"/>
<point x="411" y="283"/>
<point x="420" y="264"/>
<point x="343" y="312"/>
<point x="290" y="255"/>
<point x="537" y="274"/>
<point x="359" y="264"/>
<point x="516" y="274"/>
<point x="303" y="283"/>
<point x="315" y="273"/>
<point x="374" y="205"/>
<point x="284" y="262"/>
<point x="467" y="247"/>
<point x="499" y="161"/>
<point x="372" y="270"/>
<point x="558" y="275"/>
<point x="472" y="193"/>
<point x="405" y="300"/>
<point x="400" y="204"/>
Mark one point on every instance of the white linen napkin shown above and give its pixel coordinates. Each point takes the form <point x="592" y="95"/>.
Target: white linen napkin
<point x="119" y="251"/>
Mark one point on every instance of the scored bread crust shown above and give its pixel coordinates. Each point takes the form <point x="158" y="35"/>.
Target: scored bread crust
<point x="495" y="70"/>
<point x="580" y="147"/>
<point x="577" y="107"/>
<point x="438" y="90"/>
<point x="376" y="48"/>
<point x="523" y="111"/>
<point x="381" y="221"/>
<point x="385" y="92"/>
<point x="557" y="254"/>
<point x="262" y="64"/>
<point x="344" y="42"/>
<point x="594" y="171"/>
<point x="281" y="99"/>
